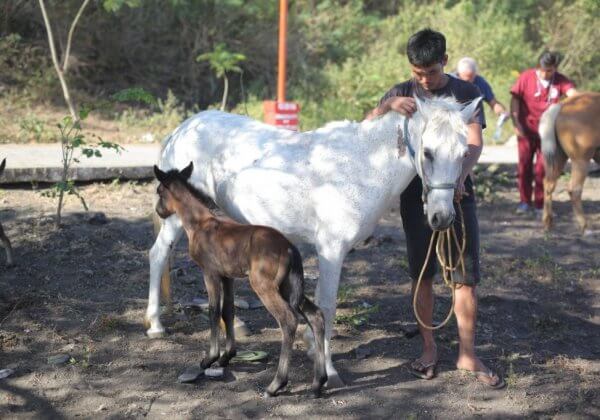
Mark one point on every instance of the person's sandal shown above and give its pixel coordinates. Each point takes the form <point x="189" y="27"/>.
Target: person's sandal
<point x="422" y="370"/>
<point x="499" y="383"/>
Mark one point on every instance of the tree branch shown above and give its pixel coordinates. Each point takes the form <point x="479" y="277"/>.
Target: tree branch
<point x="70" y="37"/>
<point x="61" y="77"/>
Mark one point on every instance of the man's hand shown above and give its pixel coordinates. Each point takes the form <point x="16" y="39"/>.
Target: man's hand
<point x="519" y="130"/>
<point x="460" y="192"/>
<point x="404" y="105"/>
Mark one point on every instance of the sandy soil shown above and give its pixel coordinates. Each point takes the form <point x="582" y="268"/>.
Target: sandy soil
<point x="82" y="291"/>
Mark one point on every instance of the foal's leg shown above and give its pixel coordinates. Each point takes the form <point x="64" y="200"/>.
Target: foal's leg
<point x="228" y="315"/>
<point x="168" y="236"/>
<point x="549" y="186"/>
<point x="579" y="171"/>
<point x="213" y="288"/>
<point x="315" y="320"/>
<point x="269" y="294"/>
<point x="6" y="243"/>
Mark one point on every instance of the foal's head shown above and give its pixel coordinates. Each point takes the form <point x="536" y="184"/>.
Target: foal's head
<point x="170" y="182"/>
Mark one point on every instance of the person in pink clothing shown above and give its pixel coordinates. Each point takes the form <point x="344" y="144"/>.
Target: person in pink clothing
<point x="532" y="94"/>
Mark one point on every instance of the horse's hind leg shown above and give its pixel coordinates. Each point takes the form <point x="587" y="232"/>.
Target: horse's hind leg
<point x="315" y="320"/>
<point x="228" y="317"/>
<point x="285" y="317"/>
<point x="168" y="236"/>
<point x="6" y="244"/>
<point x="579" y="171"/>
<point x="552" y="173"/>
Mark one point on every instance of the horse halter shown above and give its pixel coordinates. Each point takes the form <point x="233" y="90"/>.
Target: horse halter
<point x="427" y="185"/>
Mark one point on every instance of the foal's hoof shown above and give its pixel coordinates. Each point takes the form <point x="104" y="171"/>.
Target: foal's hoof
<point x="334" y="381"/>
<point x="156" y="333"/>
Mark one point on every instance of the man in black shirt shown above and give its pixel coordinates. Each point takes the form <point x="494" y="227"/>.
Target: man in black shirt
<point x="426" y="51"/>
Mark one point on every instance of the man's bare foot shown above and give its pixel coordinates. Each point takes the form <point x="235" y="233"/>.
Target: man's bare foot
<point x="483" y="374"/>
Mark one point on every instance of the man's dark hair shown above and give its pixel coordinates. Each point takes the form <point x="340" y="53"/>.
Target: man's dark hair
<point x="426" y="47"/>
<point x="549" y="59"/>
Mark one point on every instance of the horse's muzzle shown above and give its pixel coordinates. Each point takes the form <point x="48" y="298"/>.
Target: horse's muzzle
<point x="440" y="220"/>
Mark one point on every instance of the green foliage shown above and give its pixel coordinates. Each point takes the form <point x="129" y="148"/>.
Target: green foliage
<point x="357" y="317"/>
<point x="222" y="61"/>
<point x="134" y="95"/>
<point x="72" y="140"/>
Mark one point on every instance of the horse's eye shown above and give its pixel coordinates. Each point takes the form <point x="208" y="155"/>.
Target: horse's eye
<point x="428" y="155"/>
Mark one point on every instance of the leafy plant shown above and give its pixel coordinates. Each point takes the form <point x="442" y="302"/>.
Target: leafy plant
<point x="72" y="139"/>
<point x="357" y="317"/>
<point x="222" y="61"/>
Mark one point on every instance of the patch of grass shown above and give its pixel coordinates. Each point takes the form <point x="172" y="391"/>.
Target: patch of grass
<point x="346" y="292"/>
<point x="357" y="317"/>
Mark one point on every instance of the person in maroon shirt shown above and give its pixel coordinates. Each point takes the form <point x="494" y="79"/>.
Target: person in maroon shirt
<point x="532" y="94"/>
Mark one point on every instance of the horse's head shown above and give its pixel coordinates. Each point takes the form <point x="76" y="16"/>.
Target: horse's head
<point x="169" y="181"/>
<point x="439" y="153"/>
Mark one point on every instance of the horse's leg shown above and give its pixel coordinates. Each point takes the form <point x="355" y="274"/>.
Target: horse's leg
<point x="331" y="258"/>
<point x="315" y="320"/>
<point x="6" y="244"/>
<point x="228" y="316"/>
<point x="286" y="318"/>
<point x="168" y="236"/>
<point x="549" y="186"/>
<point x="579" y="171"/>
<point x="165" y="280"/>
<point x="213" y="289"/>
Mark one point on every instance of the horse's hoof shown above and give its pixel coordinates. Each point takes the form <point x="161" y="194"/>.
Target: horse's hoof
<point x="334" y="381"/>
<point x="267" y="395"/>
<point x="155" y="333"/>
<point x="588" y="232"/>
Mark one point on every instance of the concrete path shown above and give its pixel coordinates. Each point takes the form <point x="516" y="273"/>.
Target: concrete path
<point x="42" y="162"/>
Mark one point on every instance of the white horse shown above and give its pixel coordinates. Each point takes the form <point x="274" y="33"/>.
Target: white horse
<point x="326" y="187"/>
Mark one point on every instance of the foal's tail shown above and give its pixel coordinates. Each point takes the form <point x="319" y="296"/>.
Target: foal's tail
<point x="551" y="148"/>
<point x="311" y="314"/>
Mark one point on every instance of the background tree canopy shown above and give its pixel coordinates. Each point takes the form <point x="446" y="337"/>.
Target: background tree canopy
<point x="343" y="54"/>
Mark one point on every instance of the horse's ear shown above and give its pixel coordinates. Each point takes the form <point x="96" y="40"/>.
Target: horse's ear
<point x="160" y="175"/>
<point x="2" y="165"/>
<point x="469" y="111"/>
<point x="187" y="171"/>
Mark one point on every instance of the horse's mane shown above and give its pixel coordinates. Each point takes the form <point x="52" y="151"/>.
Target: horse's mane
<point x="204" y="199"/>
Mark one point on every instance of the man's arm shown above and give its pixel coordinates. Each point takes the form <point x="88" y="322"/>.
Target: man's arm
<point x="475" y="146"/>
<point x="405" y="105"/>
<point x="515" y="105"/>
<point x="497" y="107"/>
<point x="571" y="92"/>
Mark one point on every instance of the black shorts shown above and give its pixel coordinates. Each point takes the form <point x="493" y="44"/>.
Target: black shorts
<point x="418" y="233"/>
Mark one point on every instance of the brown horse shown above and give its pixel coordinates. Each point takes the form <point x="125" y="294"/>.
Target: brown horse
<point x="3" y="237"/>
<point x="570" y="130"/>
<point x="226" y="250"/>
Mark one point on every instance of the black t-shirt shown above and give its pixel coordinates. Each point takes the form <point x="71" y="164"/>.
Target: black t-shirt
<point x="464" y="92"/>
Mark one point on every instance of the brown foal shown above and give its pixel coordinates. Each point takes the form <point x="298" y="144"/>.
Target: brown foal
<point x="226" y="250"/>
<point x="3" y="237"/>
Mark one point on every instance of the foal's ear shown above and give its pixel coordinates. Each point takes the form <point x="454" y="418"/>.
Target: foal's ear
<point x="186" y="172"/>
<point x="470" y="110"/>
<point x="2" y="165"/>
<point x="160" y="175"/>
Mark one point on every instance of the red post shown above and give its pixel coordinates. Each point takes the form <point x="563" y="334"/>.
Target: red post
<point x="281" y="113"/>
<point x="283" y="6"/>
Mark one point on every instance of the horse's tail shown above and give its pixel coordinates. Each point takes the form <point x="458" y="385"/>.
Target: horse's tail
<point x="296" y="278"/>
<point x="551" y="148"/>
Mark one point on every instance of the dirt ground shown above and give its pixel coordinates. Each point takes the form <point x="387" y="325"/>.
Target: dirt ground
<point x="82" y="291"/>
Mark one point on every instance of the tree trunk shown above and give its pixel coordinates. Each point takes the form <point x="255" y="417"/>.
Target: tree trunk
<point x="225" y="92"/>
